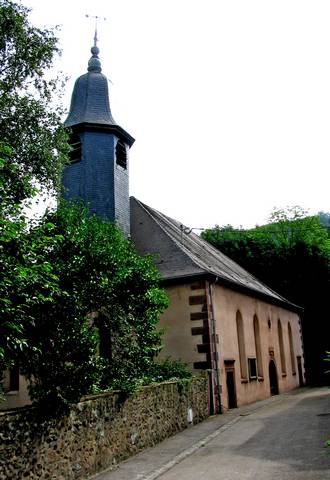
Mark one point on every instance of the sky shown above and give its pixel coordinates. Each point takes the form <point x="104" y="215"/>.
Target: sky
<point x="228" y="100"/>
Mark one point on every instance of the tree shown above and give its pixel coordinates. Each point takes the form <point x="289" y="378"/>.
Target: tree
<point x="32" y="151"/>
<point x="291" y="254"/>
<point x="70" y="284"/>
<point x="105" y="294"/>
<point x="30" y="115"/>
<point x="26" y="277"/>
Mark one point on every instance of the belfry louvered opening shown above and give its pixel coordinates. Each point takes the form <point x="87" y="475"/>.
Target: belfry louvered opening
<point x="75" y="144"/>
<point x="121" y="154"/>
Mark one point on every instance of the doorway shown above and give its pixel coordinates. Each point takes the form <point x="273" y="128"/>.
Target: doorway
<point x="231" y="389"/>
<point x="273" y="381"/>
<point x="300" y="374"/>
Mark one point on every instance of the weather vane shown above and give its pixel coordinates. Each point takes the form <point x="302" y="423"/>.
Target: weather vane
<point x="96" y="18"/>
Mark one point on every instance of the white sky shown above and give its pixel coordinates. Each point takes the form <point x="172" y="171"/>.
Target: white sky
<point x="228" y="100"/>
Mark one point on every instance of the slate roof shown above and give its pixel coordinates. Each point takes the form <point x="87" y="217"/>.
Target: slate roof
<point x="90" y="101"/>
<point x="179" y="255"/>
<point x="90" y="105"/>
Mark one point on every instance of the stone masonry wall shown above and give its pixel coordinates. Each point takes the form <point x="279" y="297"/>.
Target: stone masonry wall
<point x="98" y="433"/>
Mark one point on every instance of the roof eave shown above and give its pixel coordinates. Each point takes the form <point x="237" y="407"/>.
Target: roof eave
<point x="99" y="127"/>
<point x="233" y="286"/>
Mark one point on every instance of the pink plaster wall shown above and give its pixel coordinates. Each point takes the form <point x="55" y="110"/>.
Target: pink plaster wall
<point x="226" y="303"/>
<point x="180" y="344"/>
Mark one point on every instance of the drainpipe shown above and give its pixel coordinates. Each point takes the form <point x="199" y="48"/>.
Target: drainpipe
<point x="212" y="326"/>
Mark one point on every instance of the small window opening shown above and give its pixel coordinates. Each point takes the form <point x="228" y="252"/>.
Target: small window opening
<point x="252" y="363"/>
<point x="75" y="152"/>
<point x="14" y="378"/>
<point x="121" y="154"/>
<point x="105" y="346"/>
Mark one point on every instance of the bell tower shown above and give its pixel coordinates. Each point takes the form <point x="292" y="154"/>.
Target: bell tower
<point x="98" y="172"/>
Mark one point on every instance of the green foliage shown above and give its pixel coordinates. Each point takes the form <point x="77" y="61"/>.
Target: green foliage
<point x="102" y="291"/>
<point x="291" y="254"/>
<point x="26" y="278"/>
<point x="30" y="117"/>
<point x="32" y="150"/>
<point x="169" y="370"/>
<point x="70" y="284"/>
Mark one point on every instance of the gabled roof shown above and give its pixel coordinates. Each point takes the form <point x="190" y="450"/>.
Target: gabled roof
<point x="179" y="255"/>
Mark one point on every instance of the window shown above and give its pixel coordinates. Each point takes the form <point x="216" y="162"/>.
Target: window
<point x="281" y="345"/>
<point x="11" y="379"/>
<point x="75" y="152"/>
<point x="241" y="345"/>
<point x="14" y="379"/>
<point x="252" y="362"/>
<point x="121" y="154"/>
<point x="293" y="360"/>
<point x="257" y="345"/>
<point x="105" y="344"/>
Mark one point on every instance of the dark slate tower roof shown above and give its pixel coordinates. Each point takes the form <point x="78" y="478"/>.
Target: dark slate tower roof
<point x="182" y="256"/>
<point x="98" y="173"/>
<point x="90" y="100"/>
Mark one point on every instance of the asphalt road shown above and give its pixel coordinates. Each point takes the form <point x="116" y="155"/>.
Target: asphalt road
<point x="283" y="440"/>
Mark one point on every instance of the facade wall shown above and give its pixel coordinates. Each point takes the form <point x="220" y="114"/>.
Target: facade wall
<point x="185" y="326"/>
<point x="98" y="432"/>
<point x="226" y="304"/>
<point x="121" y="186"/>
<point x="185" y="338"/>
<point x="15" y="398"/>
<point x="98" y="180"/>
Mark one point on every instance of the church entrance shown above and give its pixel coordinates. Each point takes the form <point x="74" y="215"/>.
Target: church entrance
<point x="273" y="381"/>
<point x="230" y="382"/>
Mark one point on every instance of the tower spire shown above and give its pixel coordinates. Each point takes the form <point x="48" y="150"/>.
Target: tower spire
<point x="94" y="64"/>
<point x="98" y="174"/>
<point x="95" y="34"/>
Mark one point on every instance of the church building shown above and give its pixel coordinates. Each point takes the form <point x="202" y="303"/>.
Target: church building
<point x="221" y="319"/>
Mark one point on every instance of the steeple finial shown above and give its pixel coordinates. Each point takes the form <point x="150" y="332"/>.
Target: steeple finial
<point x="94" y="64"/>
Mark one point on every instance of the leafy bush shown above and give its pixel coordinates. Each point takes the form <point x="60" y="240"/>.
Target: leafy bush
<point x="103" y="294"/>
<point x="69" y="284"/>
<point x="169" y="370"/>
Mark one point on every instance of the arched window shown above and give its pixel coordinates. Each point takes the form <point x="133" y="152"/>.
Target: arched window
<point x="258" y="345"/>
<point x="241" y="345"/>
<point x="121" y="154"/>
<point x="280" y="341"/>
<point x="293" y="360"/>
